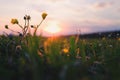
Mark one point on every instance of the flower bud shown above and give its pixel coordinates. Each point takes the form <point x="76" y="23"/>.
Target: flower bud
<point x="24" y="18"/>
<point x="6" y="26"/>
<point x="28" y="17"/>
<point x="20" y="35"/>
<point x="32" y="26"/>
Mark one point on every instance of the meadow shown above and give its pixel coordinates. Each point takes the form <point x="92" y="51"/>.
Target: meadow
<point x="59" y="58"/>
<point x="31" y="57"/>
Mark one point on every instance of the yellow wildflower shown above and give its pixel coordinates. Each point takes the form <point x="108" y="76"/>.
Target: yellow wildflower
<point x="44" y="15"/>
<point x="65" y="50"/>
<point x="14" y="21"/>
<point x="118" y="39"/>
<point x="103" y="38"/>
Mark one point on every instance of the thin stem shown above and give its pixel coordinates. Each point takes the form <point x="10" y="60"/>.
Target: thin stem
<point x="25" y="22"/>
<point x="29" y="30"/>
<point x="20" y="26"/>
<point x="37" y="27"/>
<point x="40" y="23"/>
<point x="14" y="31"/>
<point x="25" y="30"/>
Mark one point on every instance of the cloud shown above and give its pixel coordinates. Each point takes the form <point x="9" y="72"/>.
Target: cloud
<point x="100" y="22"/>
<point x="55" y="0"/>
<point x="118" y="9"/>
<point x="102" y="5"/>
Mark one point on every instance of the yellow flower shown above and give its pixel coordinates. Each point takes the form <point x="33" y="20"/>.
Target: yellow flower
<point x="14" y="21"/>
<point x="44" y="15"/>
<point x="103" y="38"/>
<point x="118" y="39"/>
<point x="65" y="50"/>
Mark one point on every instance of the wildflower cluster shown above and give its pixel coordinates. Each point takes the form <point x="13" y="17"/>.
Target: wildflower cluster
<point x="26" y="28"/>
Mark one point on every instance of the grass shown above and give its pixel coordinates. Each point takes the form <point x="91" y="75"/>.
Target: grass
<point x="58" y="58"/>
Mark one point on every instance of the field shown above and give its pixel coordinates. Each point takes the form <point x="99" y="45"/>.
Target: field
<point x="59" y="58"/>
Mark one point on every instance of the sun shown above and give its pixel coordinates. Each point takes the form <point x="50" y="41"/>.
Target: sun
<point x="52" y="27"/>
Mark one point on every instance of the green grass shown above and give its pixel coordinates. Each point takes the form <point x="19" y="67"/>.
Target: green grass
<point x="57" y="58"/>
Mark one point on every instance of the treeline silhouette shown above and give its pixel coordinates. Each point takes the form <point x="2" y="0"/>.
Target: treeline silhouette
<point x="107" y="34"/>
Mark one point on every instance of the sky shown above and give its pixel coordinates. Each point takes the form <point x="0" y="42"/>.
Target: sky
<point x="72" y="16"/>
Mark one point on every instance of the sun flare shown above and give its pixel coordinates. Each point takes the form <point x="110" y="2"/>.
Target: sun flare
<point x="52" y="27"/>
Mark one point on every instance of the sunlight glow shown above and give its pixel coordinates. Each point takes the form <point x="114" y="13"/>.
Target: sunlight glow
<point x="52" y="27"/>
